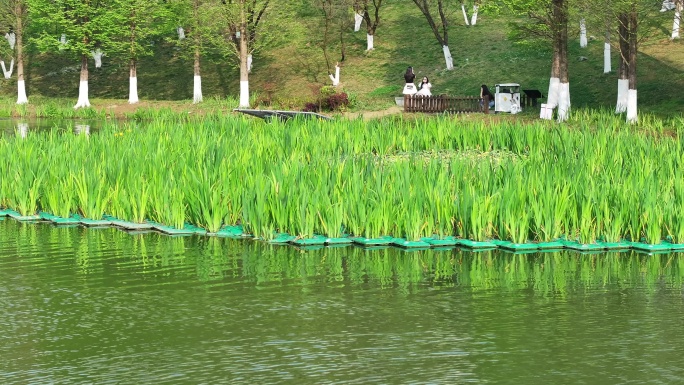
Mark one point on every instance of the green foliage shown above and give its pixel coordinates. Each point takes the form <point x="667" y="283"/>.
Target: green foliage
<point x="597" y="179"/>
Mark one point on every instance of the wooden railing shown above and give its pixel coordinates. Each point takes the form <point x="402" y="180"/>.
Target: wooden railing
<point x="455" y="104"/>
<point x="444" y="103"/>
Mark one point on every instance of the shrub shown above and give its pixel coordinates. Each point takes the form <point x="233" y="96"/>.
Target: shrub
<point x="338" y="102"/>
<point x="311" y="107"/>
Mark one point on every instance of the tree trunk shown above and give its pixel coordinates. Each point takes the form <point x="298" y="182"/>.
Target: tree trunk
<point x="583" y="33"/>
<point x="677" y="18"/>
<point x="197" y="84"/>
<point x="83" y="85"/>
<point x="564" y="89"/>
<point x="244" y="71"/>
<point x="473" y="19"/>
<point x="632" y="115"/>
<point x="336" y="79"/>
<point x="442" y="38"/>
<point x="21" y="86"/>
<point x="358" y="19"/>
<point x="447" y="57"/>
<point x="623" y="81"/>
<point x="133" y="82"/>
<point x="554" y="81"/>
<point x="97" y="55"/>
<point x="7" y="73"/>
<point x="369" y="40"/>
<point x="465" y="14"/>
<point x="607" y="65"/>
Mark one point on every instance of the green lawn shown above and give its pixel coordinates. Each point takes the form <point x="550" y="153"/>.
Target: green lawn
<point x="482" y="54"/>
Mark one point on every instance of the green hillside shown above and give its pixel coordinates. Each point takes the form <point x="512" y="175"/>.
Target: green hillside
<point x="482" y="54"/>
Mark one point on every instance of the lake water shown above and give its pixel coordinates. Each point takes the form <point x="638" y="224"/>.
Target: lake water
<point x="21" y="127"/>
<point x="105" y="307"/>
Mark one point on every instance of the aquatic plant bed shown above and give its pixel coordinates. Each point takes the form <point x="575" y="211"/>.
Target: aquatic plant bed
<point x="478" y="184"/>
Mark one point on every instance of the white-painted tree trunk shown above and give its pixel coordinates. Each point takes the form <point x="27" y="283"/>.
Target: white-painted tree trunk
<point x="62" y="41"/>
<point x="5" y="72"/>
<point x="335" y="79"/>
<point x="249" y="63"/>
<point x="22" y="130"/>
<point x="358" y="19"/>
<point x="82" y="95"/>
<point x="473" y="19"/>
<point x="583" y="33"/>
<point x="97" y="55"/>
<point x="197" y="90"/>
<point x="369" y="40"/>
<point x="21" y="92"/>
<point x="133" y="90"/>
<point x="447" y="57"/>
<point x="181" y="33"/>
<point x="563" y="101"/>
<point x="632" y="116"/>
<point x="667" y="5"/>
<point x="623" y="88"/>
<point x="677" y="18"/>
<point x="465" y="15"/>
<point x="11" y="39"/>
<point x="244" y="94"/>
<point x="554" y="87"/>
<point x="607" y="66"/>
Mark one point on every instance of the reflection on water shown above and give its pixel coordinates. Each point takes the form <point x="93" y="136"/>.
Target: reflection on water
<point x="103" y="306"/>
<point x="21" y="127"/>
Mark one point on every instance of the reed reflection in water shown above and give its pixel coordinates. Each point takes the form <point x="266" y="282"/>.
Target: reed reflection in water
<point x="102" y="306"/>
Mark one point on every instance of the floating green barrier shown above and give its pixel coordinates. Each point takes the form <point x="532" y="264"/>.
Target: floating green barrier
<point x="91" y="222"/>
<point x="574" y="245"/>
<point x="59" y="221"/>
<point x="475" y="244"/>
<point x="437" y="242"/>
<point x="170" y="230"/>
<point x="4" y="213"/>
<point x="660" y="247"/>
<point x="615" y="245"/>
<point x="282" y="238"/>
<point x="553" y="245"/>
<point x="499" y="242"/>
<point x="129" y="225"/>
<point x="316" y="240"/>
<point x="382" y="241"/>
<point x="343" y="241"/>
<point x="518" y="247"/>
<point x="23" y="218"/>
<point x="401" y="242"/>
<point x="229" y="232"/>
<point x="675" y="246"/>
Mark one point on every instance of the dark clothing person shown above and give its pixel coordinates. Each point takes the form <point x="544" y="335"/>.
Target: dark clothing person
<point x="484" y="91"/>
<point x="409" y="87"/>
<point x="409" y="76"/>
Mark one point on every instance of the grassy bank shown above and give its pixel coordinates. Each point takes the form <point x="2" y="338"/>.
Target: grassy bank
<point x="482" y="54"/>
<point x="474" y="179"/>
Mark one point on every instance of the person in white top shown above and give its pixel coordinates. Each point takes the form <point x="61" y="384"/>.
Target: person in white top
<point x="424" y="87"/>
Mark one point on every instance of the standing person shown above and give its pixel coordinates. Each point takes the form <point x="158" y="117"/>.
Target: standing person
<point x="424" y="88"/>
<point x="484" y="91"/>
<point x="409" y="77"/>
